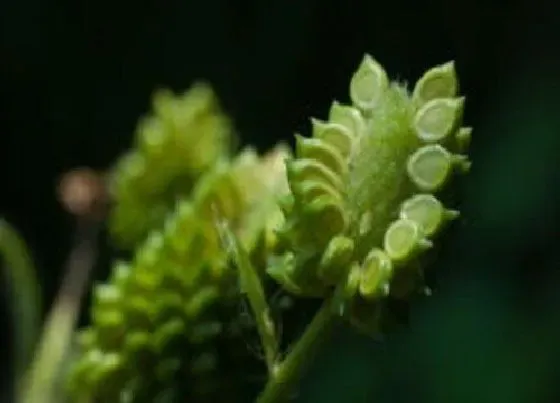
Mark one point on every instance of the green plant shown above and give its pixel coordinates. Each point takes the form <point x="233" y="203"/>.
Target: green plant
<point x="349" y="219"/>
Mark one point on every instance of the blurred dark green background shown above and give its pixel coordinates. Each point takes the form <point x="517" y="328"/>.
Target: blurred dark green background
<point x="76" y="75"/>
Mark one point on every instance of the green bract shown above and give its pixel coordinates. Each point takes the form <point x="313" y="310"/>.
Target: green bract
<point x="364" y="188"/>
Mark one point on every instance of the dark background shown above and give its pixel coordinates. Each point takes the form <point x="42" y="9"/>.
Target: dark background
<point x="76" y="75"/>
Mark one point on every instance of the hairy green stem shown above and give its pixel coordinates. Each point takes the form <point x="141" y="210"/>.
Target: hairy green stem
<point x="25" y="291"/>
<point x="289" y="372"/>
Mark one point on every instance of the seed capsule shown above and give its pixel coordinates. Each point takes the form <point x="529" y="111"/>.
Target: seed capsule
<point x="438" y="82"/>
<point x="316" y="149"/>
<point x="368" y="84"/>
<point x="429" y="167"/>
<point x="305" y="169"/>
<point x="334" y="134"/>
<point x="404" y="240"/>
<point x="335" y="259"/>
<point x="347" y="116"/>
<point x="438" y="118"/>
<point x="375" y="275"/>
<point x="426" y="211"/>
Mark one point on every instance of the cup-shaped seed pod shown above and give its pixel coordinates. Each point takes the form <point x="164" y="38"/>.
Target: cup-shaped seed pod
<point x="368" y="84"/>
<point x="404" y="240"/>
<point x="334" y="134"/>
<point x="311" y="190"/>
<point x="352" y="283"/>
<point x="303" y="170"/>
<point x="375" y="275"/>
<point x="430" y="167"/>
<point x="438" y="118"/>
<point x="438" y="82"/>
<point x="347" y="116"/>
<point x="428" y="212"/>
<point x="321" y="151"/>
<point x="297" y="278"/>
<point x="327" y="219"/>
<point x="336" y="259"/>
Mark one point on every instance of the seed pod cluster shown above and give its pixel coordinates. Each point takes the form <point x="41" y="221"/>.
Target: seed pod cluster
<point x="181" y="139"/>
<point x="168" y="320"/>
<point x="365" y="189"/>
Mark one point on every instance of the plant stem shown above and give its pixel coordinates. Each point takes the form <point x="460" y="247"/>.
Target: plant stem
<point x="289" y="371"/>
<point x="59" y="326"/>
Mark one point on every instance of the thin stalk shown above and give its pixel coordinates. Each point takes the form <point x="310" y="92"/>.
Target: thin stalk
<point x="289" y="372"/>
<point x="59" y="326"/>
